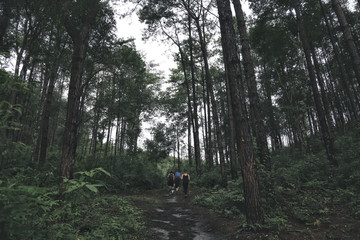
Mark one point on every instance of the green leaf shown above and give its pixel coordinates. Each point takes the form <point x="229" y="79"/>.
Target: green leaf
<point x="92" y="188"/>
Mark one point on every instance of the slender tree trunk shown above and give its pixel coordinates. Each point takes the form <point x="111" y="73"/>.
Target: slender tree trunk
<point x="108" y="137"/>
<point x="189" y="139"/>
<point x="194" y="98"/>
<point x="122" y="136"/>
<point x="348" y="37"/>
<point x="46" y="115"/>
<point x="274" y="127"/>
<point x="190" y="112"/>
<point x="327" y="139"/>
<point x="254" y="211"/>
<point x="213" y="104"/>
<point x="37" y="132"/>
<point x="56" y="118"/>
<point x="117" y="136"/>
<point x="209" y="156"/>
<point x="324" y="98"/>
<point x="178" y="149"/>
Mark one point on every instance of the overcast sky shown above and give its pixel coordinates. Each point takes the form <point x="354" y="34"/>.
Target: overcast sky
<point x="153" y="50"/>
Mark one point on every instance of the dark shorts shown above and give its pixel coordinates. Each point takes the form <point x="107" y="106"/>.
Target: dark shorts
<point x="170" y="183"/>
<point x="177" y="182"/>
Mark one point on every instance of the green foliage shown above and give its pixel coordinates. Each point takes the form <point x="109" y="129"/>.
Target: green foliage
<point x="229" y="202"/>
<point x="209" y="179"/>
<point x="8" y="86"/>
<point x="15" y="153"/>
<point x="85" y="185"/>
<point x="28" y="211"/>
<point x="136" y="172"/>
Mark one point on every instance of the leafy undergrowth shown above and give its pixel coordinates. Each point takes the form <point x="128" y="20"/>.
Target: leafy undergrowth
<point x="303" y="198"/>
<point x="29" y="211"/>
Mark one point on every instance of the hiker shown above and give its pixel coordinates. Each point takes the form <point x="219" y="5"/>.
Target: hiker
<point x="185" y="177"/>
<point x="171" y="179"/>
<point x="177" y="180"/>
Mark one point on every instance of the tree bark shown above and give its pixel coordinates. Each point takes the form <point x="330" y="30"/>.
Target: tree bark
<point x="232" y="137"/>
<point x="254" y="211"/>
<point x="79" y="36"/>
<point x="255" y="111"/>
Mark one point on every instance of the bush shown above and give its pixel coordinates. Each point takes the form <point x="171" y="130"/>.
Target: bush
<point x="32" y="212"/>
<point x="136" y="173"/>
<point x="229" y="202"/>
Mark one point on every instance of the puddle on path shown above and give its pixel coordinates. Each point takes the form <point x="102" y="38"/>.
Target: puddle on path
<point x="161" y="221"/>
<point x="159" y="210"/>
<point x="179" y="215"/>
<point x="164" y="234"/>
<point x="171" y="200"/>
<point x="201" y="234"/>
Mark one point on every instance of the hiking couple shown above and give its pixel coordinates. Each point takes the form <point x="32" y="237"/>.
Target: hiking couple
<point x="174" y="180"/>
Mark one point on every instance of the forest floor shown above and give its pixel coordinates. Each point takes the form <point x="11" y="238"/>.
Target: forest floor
<point x="176" y="217"/>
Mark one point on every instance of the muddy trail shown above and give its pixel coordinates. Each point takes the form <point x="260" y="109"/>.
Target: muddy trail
<point x="174" y="216"/>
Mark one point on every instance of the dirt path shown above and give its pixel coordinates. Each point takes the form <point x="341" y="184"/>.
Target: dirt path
<point x="176" y="217"/>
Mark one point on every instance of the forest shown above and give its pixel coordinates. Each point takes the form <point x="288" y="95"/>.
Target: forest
<point x="262" y="110"/>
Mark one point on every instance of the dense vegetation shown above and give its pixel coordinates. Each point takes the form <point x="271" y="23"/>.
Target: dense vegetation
<point x="271" y="138"/>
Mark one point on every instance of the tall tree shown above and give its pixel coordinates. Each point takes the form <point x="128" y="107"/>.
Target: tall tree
<point x="327" y="138"/>
<point x="344" y="78"/>
<point x="195" y="118"/>
<point x="209" y="84"/>
<point x="254" y="211"/>
<point x="255" y="110"/>
<point x="78" y="29"/>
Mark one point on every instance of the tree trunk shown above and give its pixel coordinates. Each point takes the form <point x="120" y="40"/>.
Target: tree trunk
<point x="232" y="137"/>
<point x="274" y="127"/>
<point x="79" y="38"/>
<point x="255" y="111"/>
<point x="194" y="98"/>
<point x="117" y="136"/>
<point x="190" y="113"/>
<point x="348" y="37"/>
<point x="327" y="139"/>
<point x="108" y="137"/>
<point x="324" y="98"/>
<point x="254" y="212"/>
<point x="212" y="103"/>
<point x="46" y="115"/>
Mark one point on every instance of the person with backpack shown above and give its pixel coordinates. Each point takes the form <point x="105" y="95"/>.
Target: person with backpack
<point x="171" y="178"/>
<point x="177" y="180"/>
<point x="185" y="177"/>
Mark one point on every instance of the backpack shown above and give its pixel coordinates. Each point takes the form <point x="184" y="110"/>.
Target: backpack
<point x="171" y="176"/>
<point x="177" y="175"/>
